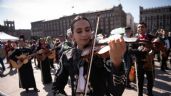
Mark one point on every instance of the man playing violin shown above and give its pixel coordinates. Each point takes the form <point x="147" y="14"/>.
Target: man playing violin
<point x="25" y="70"/>
<point x="103" y="70"/>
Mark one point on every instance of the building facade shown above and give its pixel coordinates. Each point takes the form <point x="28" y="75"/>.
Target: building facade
<point x="159" y="17"/>
<point x="10" y="25"/>
<point x="109" y="19"/>
<point x="9" y="28"/>
<point x="25" y="32"/>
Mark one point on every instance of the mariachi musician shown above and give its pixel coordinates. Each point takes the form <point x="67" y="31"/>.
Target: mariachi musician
<point x="25" y="70"/>
<point x="2" y="55"/>
<point x="105" y="72"/>
<point x="166" y="41"/>
<point x="43" y="51"/>
<point x="52" y="53"/>
<point x="143" y="51"/>
<point x="9" y="49"/>
<point x="57" y="46"/>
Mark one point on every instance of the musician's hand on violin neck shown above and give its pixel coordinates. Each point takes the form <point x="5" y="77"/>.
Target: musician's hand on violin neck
<point x="117" y="49"/>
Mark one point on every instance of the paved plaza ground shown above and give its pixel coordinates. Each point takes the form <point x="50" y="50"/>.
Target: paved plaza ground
<point x="9" y="84"/>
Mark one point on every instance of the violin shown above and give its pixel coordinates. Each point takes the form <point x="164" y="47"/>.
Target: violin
<point x="43" y="53"/>
<point x="102" y="48"/>
<point x="99" y="49"/>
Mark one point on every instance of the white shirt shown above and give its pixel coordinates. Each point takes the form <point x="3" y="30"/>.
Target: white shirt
<point x="81" y="81"/>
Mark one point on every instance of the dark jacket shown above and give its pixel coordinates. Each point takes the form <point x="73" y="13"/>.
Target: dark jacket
<point x="140" y="55"/>
<point x="101" y="79"/>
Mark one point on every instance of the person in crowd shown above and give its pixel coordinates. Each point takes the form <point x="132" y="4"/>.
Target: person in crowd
<point x="167" y="44"/>
<point x="2" y="55"/>
<point x="63" y="46"/>
<point x="127" y="57"/>
<point x="9" y="50"/>
<point x="33" y="47"/>
<point x="43" y="51"/>
<point x="57" y="45"/>
<point x="169" y="36"/>
<point x="105" y="72"/>
<point x="38" y="56"/>
<point x="49" y="42"/>
<point x="158" y="36"/>
<point x="144" y="58"/>
<point x="67" y="44"/>
<point x="25" y="70"/>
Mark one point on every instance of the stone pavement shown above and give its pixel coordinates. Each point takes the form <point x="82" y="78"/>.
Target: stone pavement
<point x="9" y="84"/>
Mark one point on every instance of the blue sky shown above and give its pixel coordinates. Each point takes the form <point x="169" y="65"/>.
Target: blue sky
<point x="23" y="12"/>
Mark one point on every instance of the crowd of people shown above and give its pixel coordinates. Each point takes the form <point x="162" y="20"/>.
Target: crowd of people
<point x="105" y="74"/>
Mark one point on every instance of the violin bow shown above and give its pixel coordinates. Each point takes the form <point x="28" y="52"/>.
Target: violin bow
<point x="91" y="60"/>
<point x="136" y="74"/>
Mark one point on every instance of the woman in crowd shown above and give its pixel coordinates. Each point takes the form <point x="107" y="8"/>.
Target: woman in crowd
<point x="43" y="51"/>
<point x="104" y="71"/>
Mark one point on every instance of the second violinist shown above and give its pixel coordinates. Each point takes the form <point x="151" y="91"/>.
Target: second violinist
<point x="43" y="49"/>
<point x="103" y="71"/>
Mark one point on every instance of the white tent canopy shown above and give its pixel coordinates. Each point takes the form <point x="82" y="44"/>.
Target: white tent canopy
<point x="6" y="37"/>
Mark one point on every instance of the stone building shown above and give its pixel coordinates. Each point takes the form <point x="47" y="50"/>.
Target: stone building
<point x="10" y="25"/>
<point x="159" y="17"/>
<point x="9" y="28"/>
<point x="109" y="19"/>
<point x="25" y="32"/>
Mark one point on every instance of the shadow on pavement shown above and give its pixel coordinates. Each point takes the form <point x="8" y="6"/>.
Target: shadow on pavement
<point x="163" y="76"/>
<point x="155" y="93"/>
<point x="159" y="85"/>
<point x="48" y="89"/>
<point x="161" y="82"/>
<point x="12" y="72"/>
<point x="8" y="71"/>
<point x="29" y="93"/>
<point x="161" y="94"/>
